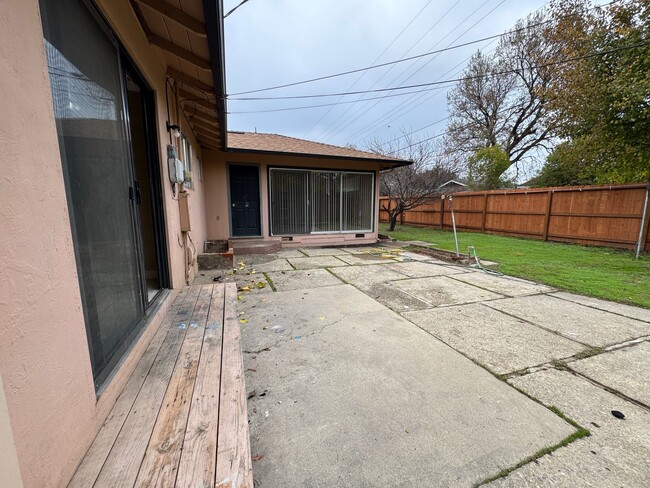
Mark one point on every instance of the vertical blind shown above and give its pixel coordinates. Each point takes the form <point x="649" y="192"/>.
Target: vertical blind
<point x="304" y="201"/>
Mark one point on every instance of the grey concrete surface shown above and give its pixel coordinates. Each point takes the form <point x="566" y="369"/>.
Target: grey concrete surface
<point x="419" y="269"/>
<point x="618" y="308"/>
<point x="505" y="285"/>
<point x="355" y="395"/>
<point x="364" y="258"/>
<point x="303" y="278"/>
<point x="626" y="370"/>
<point x="616" y="454"/>
<point x="349" y="393"/>
<point x="316" y="262"/>
<point x="324" y="251"/>
<point x="574" y="321"/>
<point x="442" y="291"/>
<point x="501" y="343"/>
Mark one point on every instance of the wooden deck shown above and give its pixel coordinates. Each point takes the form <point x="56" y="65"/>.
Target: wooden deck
<point x="181" y="419"/>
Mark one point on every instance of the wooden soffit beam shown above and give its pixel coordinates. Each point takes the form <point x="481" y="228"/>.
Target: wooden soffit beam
<point x="189" y="80"/>
<point x="177" y="15"/>
<point x="172" y="48"/>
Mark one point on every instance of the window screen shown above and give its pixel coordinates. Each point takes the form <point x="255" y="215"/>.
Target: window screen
<point x="304" y="201"/>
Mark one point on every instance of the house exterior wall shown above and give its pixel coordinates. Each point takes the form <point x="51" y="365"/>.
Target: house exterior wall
<point x="217" y="206"/>
<point x="53" y="408"/>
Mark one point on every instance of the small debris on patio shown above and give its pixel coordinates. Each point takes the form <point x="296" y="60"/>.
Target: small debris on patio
<point x="243" y="321"/>
<point x="618" y="415"/>
<point x="251" y="394"/>
<point x="257" y="457"/>
<point x="278" y="329"/>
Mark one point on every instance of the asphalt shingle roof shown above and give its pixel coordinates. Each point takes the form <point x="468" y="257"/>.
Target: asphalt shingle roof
<point x="258" y="141"/>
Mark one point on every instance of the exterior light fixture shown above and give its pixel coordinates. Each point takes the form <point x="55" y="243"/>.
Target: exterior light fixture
<point x="175" y="130"/>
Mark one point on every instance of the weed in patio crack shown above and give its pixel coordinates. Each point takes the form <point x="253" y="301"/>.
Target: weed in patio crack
<point x="270" y="281"/>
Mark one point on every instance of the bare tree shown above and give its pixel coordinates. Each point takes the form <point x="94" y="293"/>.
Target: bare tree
<point x="503" y="99"/>
<point x="409" y="186"/>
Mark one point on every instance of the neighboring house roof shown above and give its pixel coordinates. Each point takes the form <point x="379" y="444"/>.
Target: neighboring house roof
<point x="275" y="143"/>
<point x="453" y="182"/>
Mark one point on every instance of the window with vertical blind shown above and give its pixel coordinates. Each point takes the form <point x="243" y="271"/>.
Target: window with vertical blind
<point x="316" y="201"/>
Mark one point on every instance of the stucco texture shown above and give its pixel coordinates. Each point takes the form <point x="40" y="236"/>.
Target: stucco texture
<point x="217" y="208"/>
<point x="52" y="405"/>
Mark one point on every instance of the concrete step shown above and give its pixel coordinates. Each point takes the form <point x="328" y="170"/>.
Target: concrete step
<point x="209" y="261"/>
<point x="256" y="247"/>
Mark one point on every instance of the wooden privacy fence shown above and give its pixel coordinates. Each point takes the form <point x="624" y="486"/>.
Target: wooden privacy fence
<point x="594" y="215"/>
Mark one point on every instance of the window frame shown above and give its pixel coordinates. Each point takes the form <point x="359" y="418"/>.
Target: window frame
<point x="341" y="172"/>
<point x="186" y="152"/>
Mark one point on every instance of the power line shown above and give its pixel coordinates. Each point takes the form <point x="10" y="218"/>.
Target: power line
<point x="376" y="82"/>
<point x="340" y="129"/>
<point x="375" y="60"/>
<point x="403" y="60"/>
<point x="454" y="80"/>
<point x="235" y="8"/>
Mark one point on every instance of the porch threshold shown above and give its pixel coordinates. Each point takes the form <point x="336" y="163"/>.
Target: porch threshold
<point x="181" y="419"/>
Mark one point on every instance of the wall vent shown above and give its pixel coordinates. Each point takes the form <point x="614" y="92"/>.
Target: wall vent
<point x="359" y="235"/>
<point x="287" y="238"/>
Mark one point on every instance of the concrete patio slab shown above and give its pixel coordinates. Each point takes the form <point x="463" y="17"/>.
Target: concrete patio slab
<point x="626" y="370"/>
<point x="275" y="265"/>
<point x="316" y="262"/>
<point x="413" y="256"/>
<point x="420" y="269"/>
<point x="637" y="313"/>
<point x="505" y="285"/>
<point x="290" y="253"/>
<point x="441" y="291"/>
<point x="363" y="398"/>
<point x="393" y="298"/>
<point x="361" y="249"/>
<point x="364" y="259"/>
<point x="323" y="251"/>
<point x="501" y="343"/>
<point x="574" y="321"/>
<point x="300" y="279"/>
<point x="241" y="278"/>
<point x="364" y="276"/>
<point x="616" y="454"/>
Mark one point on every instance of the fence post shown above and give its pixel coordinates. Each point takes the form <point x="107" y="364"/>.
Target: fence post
<point x="442" y="213"/>
<point x="485" y="205"/>
<point x="547" y="216"/>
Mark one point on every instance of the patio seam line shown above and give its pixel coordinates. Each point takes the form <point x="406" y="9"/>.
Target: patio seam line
<point x="609" y="389"/>
<point x="162" y="399"/>
<point x="578" y="434"/>
<point x="173" y="310"/>
<point x="452" y="276"/>
<point x="572" y="359"/>
<point x="600" y="309"/>
<point x="587" y="345"/>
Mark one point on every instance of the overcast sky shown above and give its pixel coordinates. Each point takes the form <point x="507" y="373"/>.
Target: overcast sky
<point x="273" y="42"/>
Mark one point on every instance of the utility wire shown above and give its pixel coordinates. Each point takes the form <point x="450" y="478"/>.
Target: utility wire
<point x="343" y="116"/>
<point x="373" y="63"/>
<point x="403" y="60"/>
<point x="340" y="129"/>
<point x="454" y="80"/>
<point x="235" y="8"/>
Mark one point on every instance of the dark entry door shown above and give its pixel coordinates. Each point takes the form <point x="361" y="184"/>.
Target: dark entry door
<point x="245" y="200"/>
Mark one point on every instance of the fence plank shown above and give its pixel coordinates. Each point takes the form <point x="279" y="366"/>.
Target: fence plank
<point x="594" y="215"/>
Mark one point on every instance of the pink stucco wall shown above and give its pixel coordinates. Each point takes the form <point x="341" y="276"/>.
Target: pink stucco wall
<point x="217" y="208"/>
<point x="44" y="361"/>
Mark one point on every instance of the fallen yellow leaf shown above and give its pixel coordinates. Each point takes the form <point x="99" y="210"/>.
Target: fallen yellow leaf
<point x="243" y="321"/>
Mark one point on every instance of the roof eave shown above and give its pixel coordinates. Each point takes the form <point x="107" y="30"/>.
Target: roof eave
<point x="213" y="13"/>
<point x="391" y="162"/>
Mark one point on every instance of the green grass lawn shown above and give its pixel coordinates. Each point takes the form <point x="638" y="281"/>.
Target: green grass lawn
<point x="600" y="272"/>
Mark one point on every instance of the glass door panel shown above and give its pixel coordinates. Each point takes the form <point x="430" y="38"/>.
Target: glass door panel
<point x="86" y="82"/>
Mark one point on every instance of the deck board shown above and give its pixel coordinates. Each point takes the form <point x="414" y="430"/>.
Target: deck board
<point x="88" y="470"/>
<point x="163" y="453"/>
<point x="233" y="459"/>
<point x="198" y="460"/>
<point x="181" y="419"/>
<point x="123" y="463"/>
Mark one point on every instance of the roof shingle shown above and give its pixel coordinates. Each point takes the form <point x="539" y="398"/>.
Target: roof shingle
<point x="258" y="141"/>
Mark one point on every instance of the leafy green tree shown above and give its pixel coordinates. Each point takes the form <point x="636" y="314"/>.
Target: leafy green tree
<point x="486" y="167"/>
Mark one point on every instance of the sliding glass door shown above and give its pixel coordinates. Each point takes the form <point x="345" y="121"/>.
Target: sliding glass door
<point x="98" y="150"/>
<point x="316" y="201"/>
